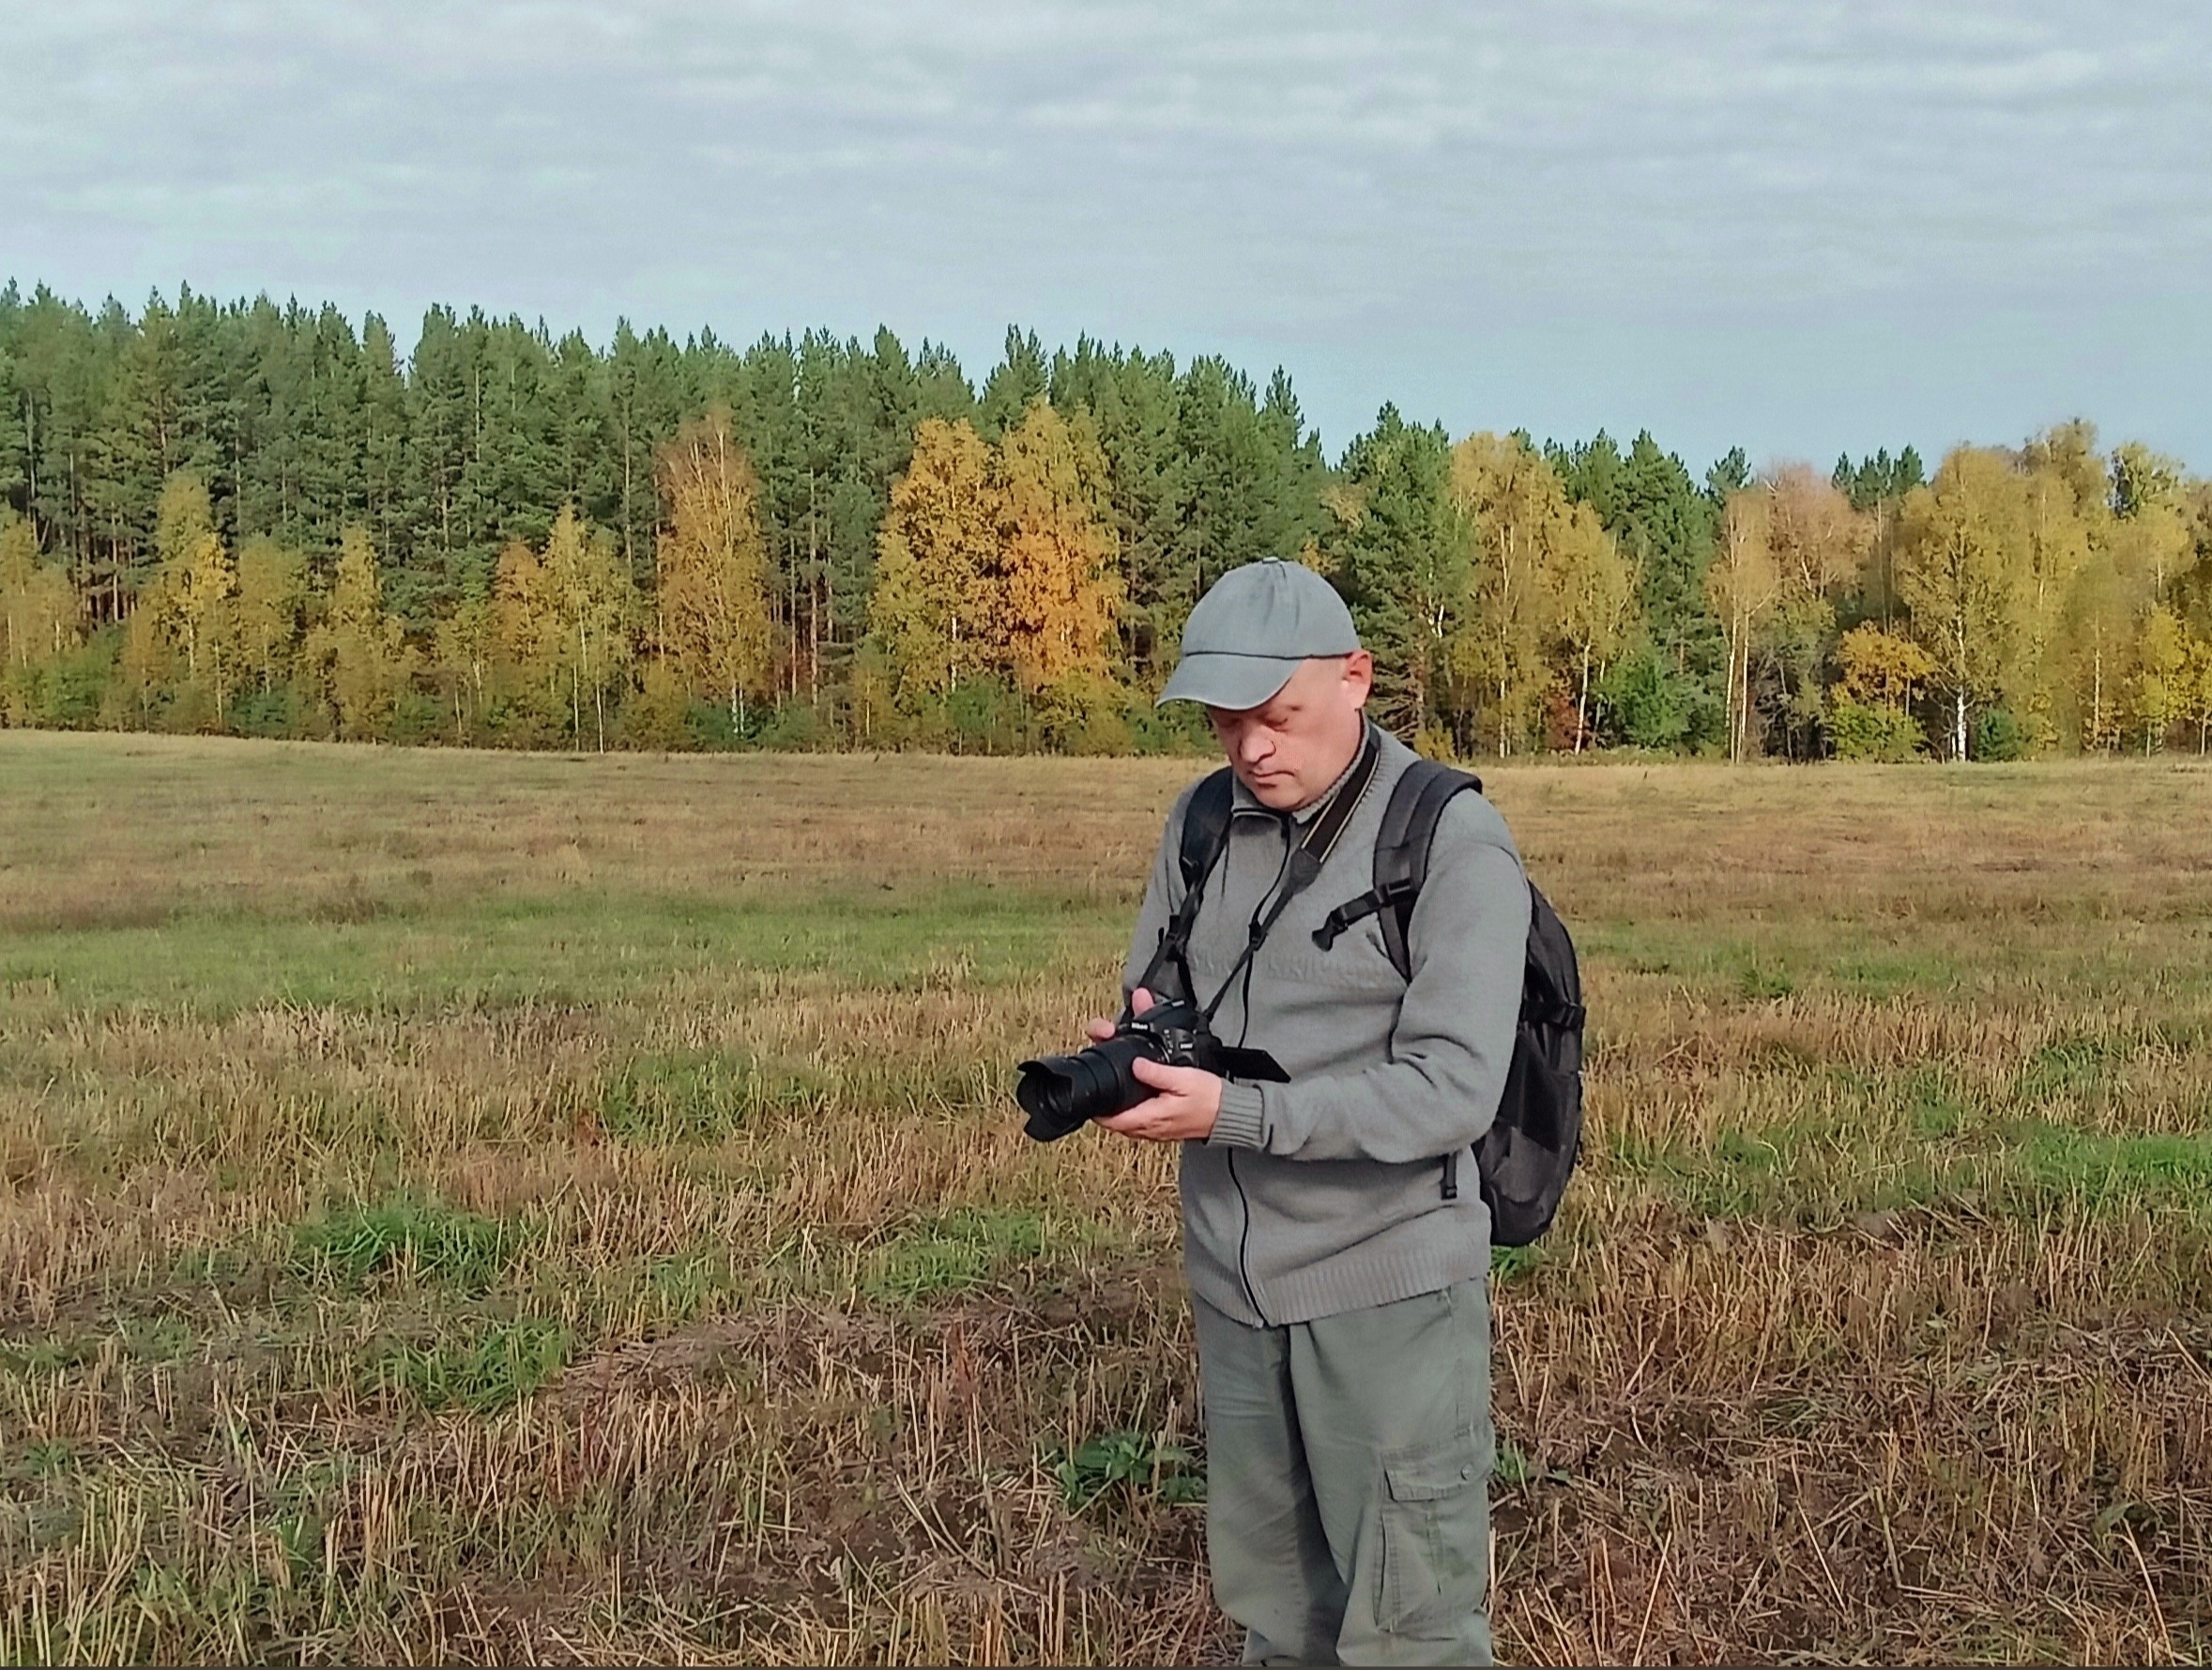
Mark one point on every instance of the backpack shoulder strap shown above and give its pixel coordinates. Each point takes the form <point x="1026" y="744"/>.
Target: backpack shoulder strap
<point x="1205" y="822"/>
<point x="1401" y="850"/>
<point x="1417" y="801"/>
<point x="1205" y="831"/>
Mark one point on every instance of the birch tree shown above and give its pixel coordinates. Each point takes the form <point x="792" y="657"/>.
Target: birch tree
<point x="1960" y="576"/>
<point x="1510" y="500"/>
<point x="467" y="649"/>
<point x="39" y="619"/>
<point x="589" y="616"/>
<point x="711" y="597"/>
<point x="2197" y="687"/>
<point x="1743" y="586"/>
<point x="1594" y="603"/>
<point x="1055" y="566"/>
<point x="2158" y="694"/>
<point x="359" y="650"/>
<point x="266" y="612"/>
<point x="935" y="605"/>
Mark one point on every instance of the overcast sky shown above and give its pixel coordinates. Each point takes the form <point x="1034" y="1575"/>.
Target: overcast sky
<point x="1799" y="226"/>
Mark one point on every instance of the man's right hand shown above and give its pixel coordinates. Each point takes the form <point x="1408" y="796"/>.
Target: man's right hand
<point x="1099" y="1029"/>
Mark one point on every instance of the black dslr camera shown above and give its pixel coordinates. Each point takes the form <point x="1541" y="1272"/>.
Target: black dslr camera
<point x="1064" y="1092"/>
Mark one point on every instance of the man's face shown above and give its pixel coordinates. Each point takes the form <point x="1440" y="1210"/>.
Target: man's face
<point x="1289" y="749"/>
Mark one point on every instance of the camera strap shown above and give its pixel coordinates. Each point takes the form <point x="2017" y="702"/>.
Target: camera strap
<point x="1304" y="863"/>
<point x="1174" y="953"/>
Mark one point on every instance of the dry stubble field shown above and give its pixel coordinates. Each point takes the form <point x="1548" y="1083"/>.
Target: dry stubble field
<point x="465" y="1207"/>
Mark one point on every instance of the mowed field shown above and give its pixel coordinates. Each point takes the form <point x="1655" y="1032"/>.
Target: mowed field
<point x="466" y="1207"/>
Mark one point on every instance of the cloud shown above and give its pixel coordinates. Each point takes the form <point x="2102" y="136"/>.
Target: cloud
<point x="1310" y="177"/>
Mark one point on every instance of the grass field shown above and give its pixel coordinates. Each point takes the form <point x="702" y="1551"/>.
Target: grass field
<point x="462" y="1207"/>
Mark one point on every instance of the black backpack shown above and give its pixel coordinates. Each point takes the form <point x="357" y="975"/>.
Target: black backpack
<point x="1525" y="1158"/>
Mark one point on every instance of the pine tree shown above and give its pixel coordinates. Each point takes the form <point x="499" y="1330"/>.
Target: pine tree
<point x="1017" y="382"/>
<point x="1239" y="496"/>
<point x="15" y="444"/>
<point x="1399" y="555"/>
<point x="65" y="362"/>
<point x="941" y="389"/>
<point x="648" y="388"/>
<point x="1666" y="525"/>
<point x="439" y="565"/>
<point x="384" y="449"/>
<point x="1730" y="473"/>
<point x="576" y="433"/>
<point x="1131" y="400"/>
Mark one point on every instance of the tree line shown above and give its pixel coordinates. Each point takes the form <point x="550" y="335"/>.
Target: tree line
<point x="252" y="518"/>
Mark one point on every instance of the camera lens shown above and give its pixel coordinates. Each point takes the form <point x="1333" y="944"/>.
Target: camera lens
<point x="1063" y="1093"/>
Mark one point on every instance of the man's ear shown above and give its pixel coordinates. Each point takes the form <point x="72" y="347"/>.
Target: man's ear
<point x="1359" y="676"/>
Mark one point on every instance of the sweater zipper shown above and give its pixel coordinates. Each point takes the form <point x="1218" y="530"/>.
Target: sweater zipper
<point x="1244" y="1200"/>
<point x="1244" y="1241"/>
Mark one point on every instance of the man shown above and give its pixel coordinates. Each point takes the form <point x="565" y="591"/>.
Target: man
<point x="1340" y="1282"/>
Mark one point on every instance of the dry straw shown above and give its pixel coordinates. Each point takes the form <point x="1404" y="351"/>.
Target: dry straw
<point x="459" y="1207"/>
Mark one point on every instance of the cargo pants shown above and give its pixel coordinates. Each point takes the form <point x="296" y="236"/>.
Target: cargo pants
<point x="1349" y="1459"/>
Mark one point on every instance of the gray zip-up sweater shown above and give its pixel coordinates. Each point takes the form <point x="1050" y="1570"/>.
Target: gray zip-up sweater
<point x="1325" y="1194"/>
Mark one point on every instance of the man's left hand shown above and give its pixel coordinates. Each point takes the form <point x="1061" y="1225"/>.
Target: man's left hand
<point x="1188" y="1102"/>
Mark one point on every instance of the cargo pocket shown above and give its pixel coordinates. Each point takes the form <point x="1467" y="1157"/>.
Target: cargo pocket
<point x="1435" y="1533"/>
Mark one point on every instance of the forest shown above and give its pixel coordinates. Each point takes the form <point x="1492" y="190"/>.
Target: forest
<point x="256" y="518"/>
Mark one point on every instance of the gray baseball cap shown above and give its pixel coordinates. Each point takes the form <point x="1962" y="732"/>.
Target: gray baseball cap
<point x="1251" y="631"/>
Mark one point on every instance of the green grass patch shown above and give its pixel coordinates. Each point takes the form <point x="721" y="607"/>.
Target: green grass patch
<point x="685" y="1286"/>
<point x="700" y="1096"/>
<point x="158" y="1338"/>
<point x="417" y="957"/>
<point x="1808" y="1173"/>
<point x="1818" y="1170"/>
<point x="1128" y="1466"/>
<point x="54" y="1355"/>
<point x="500" y="1365"/>
<point x="1776" y="959"/>
<point x="1515" y="1469"/>
<point x="2109" y="1169"/>
<point x="954" y="1253"/>
<point x="2075" y="1071"/>
<point x="424" y="1239"/>
<point x="1516" y="1264"/>
<point x="48" y="1457"/>
<point x="1891" y="973"/>
<point x="1934" y="1107"/>
<point x="1761" y="981"/>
